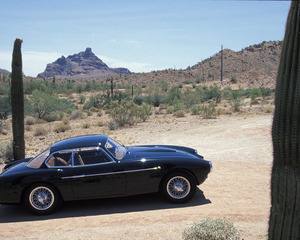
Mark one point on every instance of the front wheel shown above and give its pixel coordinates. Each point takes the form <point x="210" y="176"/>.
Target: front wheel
<point x="42" y="199"/>
<point x="178" y="187"/>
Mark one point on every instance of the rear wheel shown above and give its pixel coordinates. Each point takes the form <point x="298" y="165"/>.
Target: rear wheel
<point x="178" y="187"/>
<point x="42" y="199"/>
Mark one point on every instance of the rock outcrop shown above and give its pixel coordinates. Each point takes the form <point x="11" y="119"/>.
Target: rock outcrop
<point x="83" y="65"/>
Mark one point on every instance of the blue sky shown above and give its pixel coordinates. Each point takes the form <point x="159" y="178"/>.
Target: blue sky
<point x="140" y="35"/>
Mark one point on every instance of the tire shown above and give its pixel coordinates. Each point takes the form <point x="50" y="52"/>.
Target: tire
<point x="178" y="187"/>
<point x="42" y="199"/>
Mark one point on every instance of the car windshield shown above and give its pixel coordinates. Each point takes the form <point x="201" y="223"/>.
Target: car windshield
<point x="117" y="150"/>
<point x="37" y="161"/>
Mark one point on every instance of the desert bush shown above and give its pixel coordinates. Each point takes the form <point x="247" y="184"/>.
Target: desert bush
<point x="128" y="113"/>
<point x="43" y="104"/>
<point x="52" y="117"/>
<point x="95" y="101"/>
<point x="209" y="111"/>
<point x="210" y="229"/>
<point x="62" y="127"/>
<point x="6" y="152"/>
<point x="195" y="110"/>
<point x="138" y="99"/>
<point x="235" y="100"/>
<point x="265" y="92"/>
<point x="29" y="120"/>
<point x="82" y="99"/>
<point x="5" y="107"/>
<point x="144" y="112"/>
<point x="179" y="114"/>
<point x="76" y="114"/>
<point x="112" y="125"/>
<point x="155" y="99"/>
<point x="268" y="108"/>
<point x="40" y="131"/>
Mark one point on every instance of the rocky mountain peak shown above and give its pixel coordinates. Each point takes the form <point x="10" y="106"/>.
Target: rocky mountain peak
<point x="79" y="66"/>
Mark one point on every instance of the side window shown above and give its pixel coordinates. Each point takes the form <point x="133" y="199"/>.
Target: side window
<point x="60" y="159"/>
<point x="89" y="156"/>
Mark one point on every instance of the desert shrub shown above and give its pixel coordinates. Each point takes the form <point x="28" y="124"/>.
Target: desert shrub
<point x="144" y="112"/>
<point x="138" y="99"/>
<point x="210" y="229"/>
<point x="265" y="92"/>
<point x="95" y="101"/>
<point x="76" y="114"/>
<point x="209" y="111"/>
<point x="30" y="86"/>
<point x="179" y="114"/>
<point x="52" y="117"/>
<point x="195" y="110"/>
<point x="40" y="132"/>
<point x="29" y="120"/>
<point x="112" y="125"/>
<point x="170" y="110"/>
<point x="43" y="104"/>
<point x="4" y="89"/>
<point x="235" y="100"/>
<point x="155" y="99"/>
<point x="190" y="98"/>
<point x="233" y="79"/>
<point x="3" y="127"/>
<point x="82" y="99"/>
<point x="268" y="108"/>
<point x="128" y="113"/>
<point x="62" y="127"/>
<point x="6" y="152"/>
<point x="173" y="95"/>
<point x="5" y="107"/>
<point x="123" y="113"/>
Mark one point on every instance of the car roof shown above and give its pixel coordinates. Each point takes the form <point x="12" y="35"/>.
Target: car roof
<point x="79" y="142"/>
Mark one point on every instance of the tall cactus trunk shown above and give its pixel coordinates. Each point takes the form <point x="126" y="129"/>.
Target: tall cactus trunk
<point x="284" y="220"/>
<point x="17" y="102"/>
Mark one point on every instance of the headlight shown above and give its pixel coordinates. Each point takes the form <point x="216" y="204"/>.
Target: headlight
<point x="210" y="165"/>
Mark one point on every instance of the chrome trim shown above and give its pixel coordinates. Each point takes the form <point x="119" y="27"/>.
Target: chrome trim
<point x="111" y="173"/>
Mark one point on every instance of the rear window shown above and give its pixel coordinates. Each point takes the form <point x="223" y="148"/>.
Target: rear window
<point x="37" y="161"/>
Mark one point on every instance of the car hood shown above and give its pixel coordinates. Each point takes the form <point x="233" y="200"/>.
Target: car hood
<point x="153" y="151"/>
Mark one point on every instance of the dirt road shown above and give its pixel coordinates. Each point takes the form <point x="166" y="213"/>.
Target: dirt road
<point x="238" y="187"/>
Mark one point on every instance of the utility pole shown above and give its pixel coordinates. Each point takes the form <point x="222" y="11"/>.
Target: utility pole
<point x="221" y="63"/>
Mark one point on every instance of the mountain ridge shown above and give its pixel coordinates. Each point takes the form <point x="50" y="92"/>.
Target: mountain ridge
<point x="80" y="66"/>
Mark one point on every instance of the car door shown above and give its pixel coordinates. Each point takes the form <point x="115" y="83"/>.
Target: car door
<point x="143" y="176"/>
<point x="94" y="175"/>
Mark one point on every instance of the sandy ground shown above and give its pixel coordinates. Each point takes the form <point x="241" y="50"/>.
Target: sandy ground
<point x="238" y="188"/>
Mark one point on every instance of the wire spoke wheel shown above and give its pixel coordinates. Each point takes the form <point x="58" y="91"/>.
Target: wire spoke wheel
<point x="41" y="198"/>
<point x="178" y="187"/>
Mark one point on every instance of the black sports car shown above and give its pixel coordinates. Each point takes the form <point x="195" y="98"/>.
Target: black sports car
<point x="95" y="166"/>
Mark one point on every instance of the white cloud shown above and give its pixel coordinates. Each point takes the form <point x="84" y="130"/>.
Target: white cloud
<point x="33" y="62"/>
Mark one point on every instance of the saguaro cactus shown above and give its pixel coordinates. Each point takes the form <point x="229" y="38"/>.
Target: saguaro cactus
<point x="17" y="102"/>
<point x="284" y="220"/>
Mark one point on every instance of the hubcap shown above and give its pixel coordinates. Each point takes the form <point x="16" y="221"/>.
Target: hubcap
<point x="178" y="187"/>
<point x="41" y="198"/>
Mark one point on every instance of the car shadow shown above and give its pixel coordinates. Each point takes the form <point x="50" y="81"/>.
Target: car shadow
<point x="153" y="202"/>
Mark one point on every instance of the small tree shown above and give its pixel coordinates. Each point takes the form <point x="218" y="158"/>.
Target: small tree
<point x="17" y="102"/>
